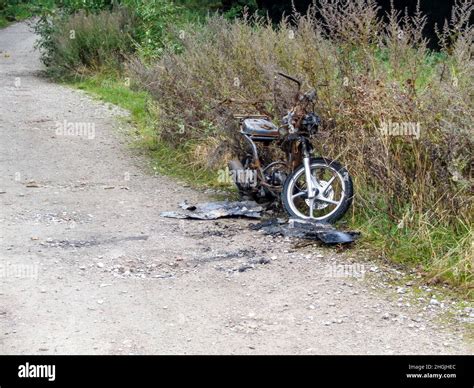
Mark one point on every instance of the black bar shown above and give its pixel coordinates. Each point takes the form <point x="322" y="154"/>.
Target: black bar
<point x="294" y="371"/>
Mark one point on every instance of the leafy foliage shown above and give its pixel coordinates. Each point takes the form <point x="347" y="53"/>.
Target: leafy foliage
<point x="153" y="17"/>
<point x="16" y="10"/>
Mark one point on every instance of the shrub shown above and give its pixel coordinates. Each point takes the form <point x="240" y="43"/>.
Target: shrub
<point x="15" y="10"/>
<point x="83" y="35"/>
<point x="153" y="18"/>
<point x="80" y="43"/>
<point x="88" y="6"/>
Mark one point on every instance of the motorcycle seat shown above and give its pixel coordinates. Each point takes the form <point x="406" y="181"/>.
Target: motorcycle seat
<point x="259" y="128"/>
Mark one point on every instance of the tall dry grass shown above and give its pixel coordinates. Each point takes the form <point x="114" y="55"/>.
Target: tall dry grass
<point x="85" y="42"/>
<point x="414" y="195"/>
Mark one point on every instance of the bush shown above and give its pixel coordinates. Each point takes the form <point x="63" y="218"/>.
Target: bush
<point x="153" y="18"/>
<point x="412" y="193"/>
<point x="83" y="35"/>
<point x="88" y="6"/>
<point x="16" y="10"/>
<point x="80" y="43"/>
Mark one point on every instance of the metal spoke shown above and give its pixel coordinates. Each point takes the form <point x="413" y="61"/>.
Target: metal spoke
<point x="300" y="194"/>
<point x="329" y="184"/>
<point x="323" y="199"/>
<point x="325" y="203"/>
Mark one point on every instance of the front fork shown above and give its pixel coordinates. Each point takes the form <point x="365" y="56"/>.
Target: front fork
<point x="311" y="183"/>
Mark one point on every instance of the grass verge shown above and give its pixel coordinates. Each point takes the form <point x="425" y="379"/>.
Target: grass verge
<point x="172" y="161"/>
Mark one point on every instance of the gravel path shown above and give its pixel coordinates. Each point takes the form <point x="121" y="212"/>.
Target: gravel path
<point x="87" y="266"/>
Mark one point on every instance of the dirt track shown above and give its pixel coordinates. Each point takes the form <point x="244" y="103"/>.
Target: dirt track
<point x="89" y="267"/>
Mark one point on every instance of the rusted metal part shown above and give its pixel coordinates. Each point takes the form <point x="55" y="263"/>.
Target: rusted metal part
<point x="260" y="128"/>
<point x="298" y="82"/>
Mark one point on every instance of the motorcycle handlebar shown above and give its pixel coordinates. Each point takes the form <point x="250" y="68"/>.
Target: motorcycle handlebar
<point x="290" y="78"/>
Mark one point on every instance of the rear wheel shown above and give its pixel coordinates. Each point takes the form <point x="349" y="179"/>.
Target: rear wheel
<point x="334" y="194"/>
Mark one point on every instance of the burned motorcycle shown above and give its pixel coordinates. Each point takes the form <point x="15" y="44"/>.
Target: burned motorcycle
<point x="315" y="188"/>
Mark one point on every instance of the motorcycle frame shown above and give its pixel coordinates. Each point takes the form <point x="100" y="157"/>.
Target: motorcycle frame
<point x="300" y="147"/>
<point x="299" y="150"/>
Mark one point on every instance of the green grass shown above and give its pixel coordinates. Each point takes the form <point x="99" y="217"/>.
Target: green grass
<point x="3" y="22"/>
<point x="438" y="251"/>
<point x="166" y="160"/>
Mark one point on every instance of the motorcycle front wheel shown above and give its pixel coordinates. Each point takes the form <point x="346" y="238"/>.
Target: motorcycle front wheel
<point x="334" y="194"/>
